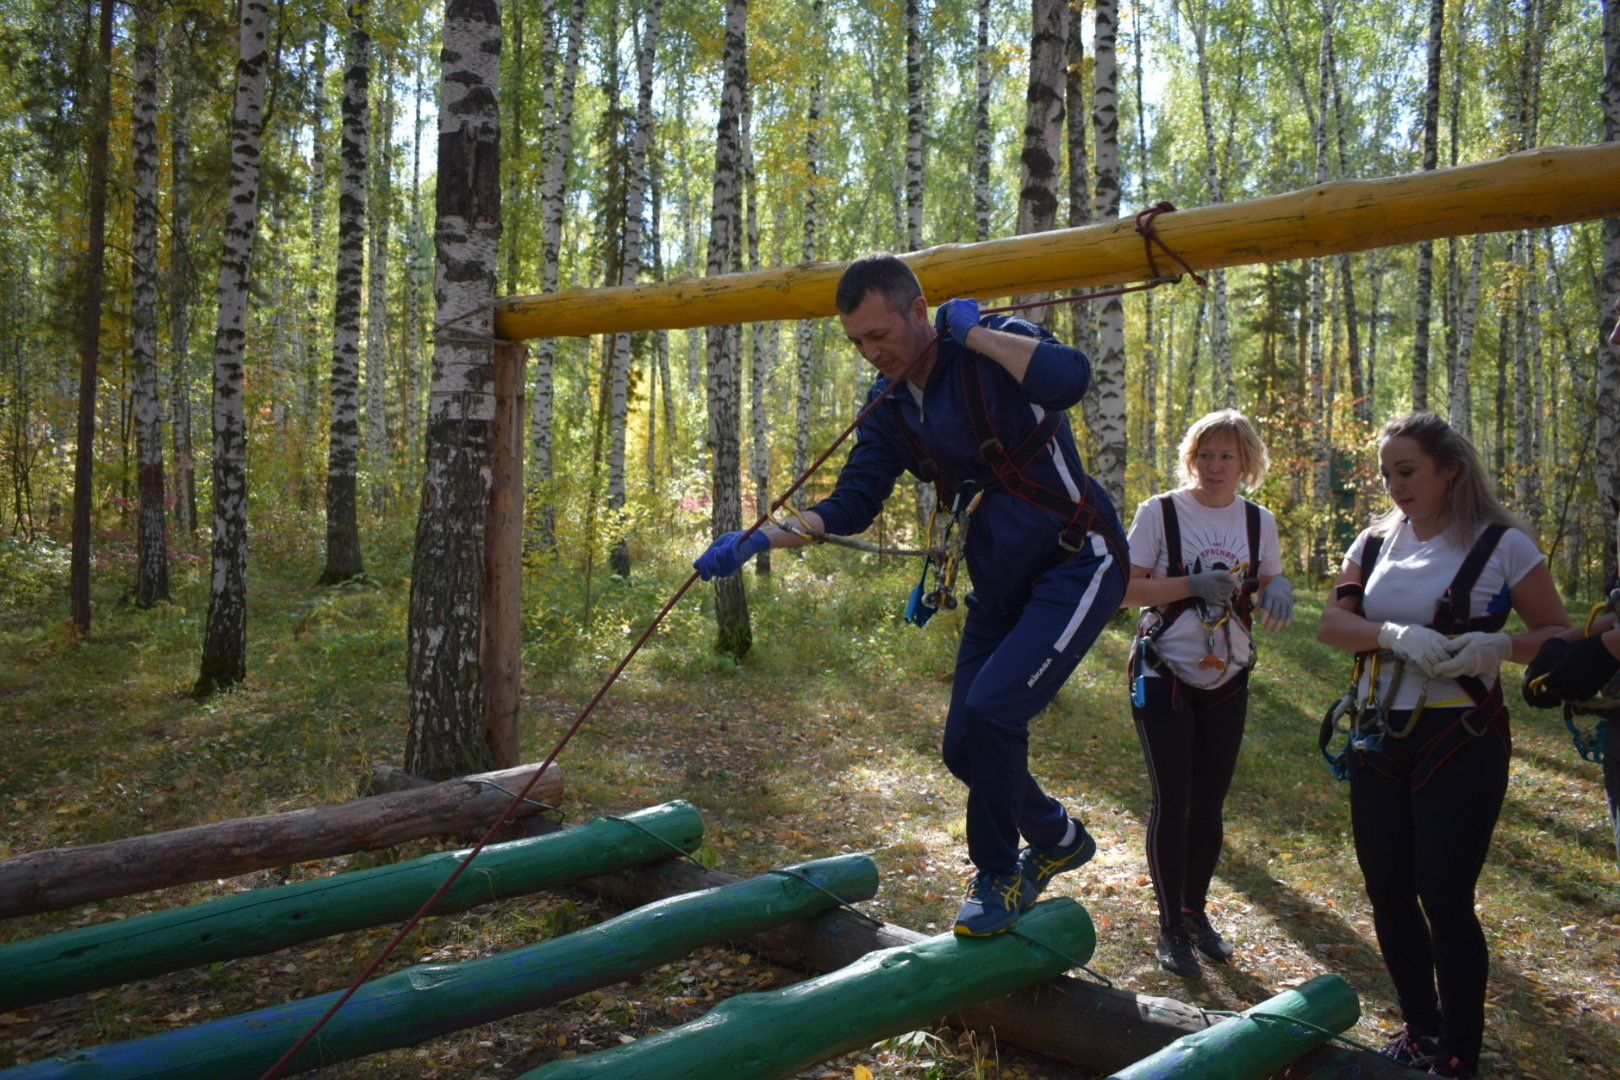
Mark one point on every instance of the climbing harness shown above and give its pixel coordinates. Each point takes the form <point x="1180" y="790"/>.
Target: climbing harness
<point x="1150" y="237"/>
<point x="1154" y="621"/>
<point x="943" y="558"/>
<point x="1363" y="722"/>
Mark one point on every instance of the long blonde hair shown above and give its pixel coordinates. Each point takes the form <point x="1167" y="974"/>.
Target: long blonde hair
<point x="1256" y="459"/>
<point x="1471" y="500"/>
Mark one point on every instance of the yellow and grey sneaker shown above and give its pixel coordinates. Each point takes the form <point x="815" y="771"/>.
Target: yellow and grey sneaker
<point x="993" y="904"/>
<point x="1039" y="865"/>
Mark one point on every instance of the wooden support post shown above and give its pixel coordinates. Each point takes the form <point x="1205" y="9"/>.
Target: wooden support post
<point x="263" y="920"/>
<point x="1258" y="1042"/>
<point x="421" y="1002"/>
<point x="502" y="653"/>
<point x="1072" y="1020"/>
<point x="1534" y="189"/>
<point x="766" y="1035"/>
<point x="62" y="877"/>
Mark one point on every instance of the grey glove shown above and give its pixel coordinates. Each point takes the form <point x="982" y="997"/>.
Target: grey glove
<point x="1417" y="645"/>
<point x="1211" y="586"/>
<point x="1277" y="600"/>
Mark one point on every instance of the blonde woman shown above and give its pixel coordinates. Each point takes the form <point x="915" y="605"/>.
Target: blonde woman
<point x="1424" y="598"/>
<point x="1202" y="558"/>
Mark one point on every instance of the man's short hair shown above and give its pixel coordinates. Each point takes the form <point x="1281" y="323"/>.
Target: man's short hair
<point x="881" y="271"/>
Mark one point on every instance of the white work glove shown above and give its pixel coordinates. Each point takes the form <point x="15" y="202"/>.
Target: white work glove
<point x="1475" y="654"/>
<point x="1417" y="645"/>
<point x="1277" y="601"/>
<point x="1211" y="586"/>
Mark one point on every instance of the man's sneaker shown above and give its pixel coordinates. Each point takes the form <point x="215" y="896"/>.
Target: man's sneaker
<point x="1175" y="953"/>
<point x="993" y="904"/>
<point x="1454" y="1067"/>
<point x="1408" y="1048"/>
<point x="1205" y="938"/>
<point x="1039" y="865"/>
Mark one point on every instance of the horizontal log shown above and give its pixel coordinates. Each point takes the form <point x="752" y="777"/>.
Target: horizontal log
<point x="263" y="920"/>
<point x="429" y="1000"/>
<point x="1097" y="1028"/>
<point x="778" y="1033"/>
<point x="1533" y="189"/>
<point x="1258" y="1041"/>
<point x="62" y="877"/>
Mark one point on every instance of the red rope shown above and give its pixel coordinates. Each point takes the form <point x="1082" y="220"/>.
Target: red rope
<point x="590" y="707"/>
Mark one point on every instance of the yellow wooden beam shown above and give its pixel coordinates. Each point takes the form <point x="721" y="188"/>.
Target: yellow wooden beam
<point x="1534" y="189"/>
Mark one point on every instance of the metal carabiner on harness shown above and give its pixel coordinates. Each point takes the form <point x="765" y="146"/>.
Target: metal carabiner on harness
<point x="943" y="559"/>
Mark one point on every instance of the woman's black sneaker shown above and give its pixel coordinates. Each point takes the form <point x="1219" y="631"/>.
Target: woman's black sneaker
<point x="1416" y="1051"/>
<point x="1453" y="1067"/>
<point x="1205" y="938"/>
<point x="1175" y="952"/>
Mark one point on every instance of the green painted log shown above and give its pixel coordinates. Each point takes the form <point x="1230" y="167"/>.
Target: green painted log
<point x="1258" y="1042"/>
<point x="421" y="1002"/>
<point x="264" y="920"/>
<point x="882" y="994"/>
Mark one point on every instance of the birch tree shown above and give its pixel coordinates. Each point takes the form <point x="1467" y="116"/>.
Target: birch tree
<point x="981" y="124"/>
<point x="343" y="559"/>
<point x="557" y="128"/>
<point x="731" y="602"/>
<point x="805" y="331"/>
<point x="1425" y="271"/>
<point x="445" y="690"/>
<point x="224" y="652"/>
<point x="379" y="195"/>
<point x="629" y="273"/>
<point x="762" y="339"/>
<point x="317" y="242"/>
<point x="152" y="563"/>
<point x="1108" y="369"/>
<point x="182" y="283"/>
<point x="1608" y="367"/>
<point x="915" y="122"/>
<point x="1043" y="125"/>
<point x="1220" y="336"/>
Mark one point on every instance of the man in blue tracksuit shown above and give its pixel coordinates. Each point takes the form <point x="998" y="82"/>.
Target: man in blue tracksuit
<point x="983" y="411"/>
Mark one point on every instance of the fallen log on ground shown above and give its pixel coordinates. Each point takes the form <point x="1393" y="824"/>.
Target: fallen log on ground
<point x="1095" y="1027"/>
<point x="62" y="877"/>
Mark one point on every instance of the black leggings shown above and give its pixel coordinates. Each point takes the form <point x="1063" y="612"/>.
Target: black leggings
<point x="1421" y="849"/>
<point x="1190" y="739"/>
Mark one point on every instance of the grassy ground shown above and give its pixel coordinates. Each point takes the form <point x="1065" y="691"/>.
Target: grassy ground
<point x="824" y="741"/>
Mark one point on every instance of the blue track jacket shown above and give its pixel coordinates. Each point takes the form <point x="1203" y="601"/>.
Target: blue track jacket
<point x="1010" y="542"/>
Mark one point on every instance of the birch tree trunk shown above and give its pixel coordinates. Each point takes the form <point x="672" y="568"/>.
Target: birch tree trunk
<point x="805" y="331"/>
<point x="1347" y="277"/>
<point x="1321" y="443"/>
<point x="629" y="273"/>
<point x="379" y="195"/>
<point x="557" y="124"/>
<point x="410" y="370"/>
<point x="1461" y="396"/>
<point x="1425" y="274"/>
<point x="444" y="683"/>
<point x="1043" y="127"/>
<point x="731" y="602"/>
<point x="1108" y="370"/>
<point x="915" y="123"/>
<point x="762" y="348"/>
<point x="224" y="653"/>
<point x="981" y="125"/>
<point x="1608" y="366"/>
<point x="1076" y="110"/>
<point x="1215" y="178"/>
<point x="182" y="282"/>
<point x="1150" y="362"/>
<point x="343" y="560"/>
<point x="94" y="279"/>
<point x="152" y="569"/>
<point x="310" y="382"/>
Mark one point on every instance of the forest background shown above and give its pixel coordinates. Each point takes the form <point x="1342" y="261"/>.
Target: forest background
<point x="854" y="127"/>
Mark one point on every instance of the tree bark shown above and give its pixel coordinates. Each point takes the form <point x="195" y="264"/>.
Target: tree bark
<point x="379" y="194"/>
<point x="1108" y="369"/>
<point x="343" y="558"/>
<point x="915" y="123"/>
<point x="182" y="284"/>
<point x="1607" y="470"/>
<point x="152" y="569"/>
<point x="735" y="634"/>
<point x="310" y="382"/>
<point x="94" y="285"/>
<point x="1425" y="272"/>
<point x="1076" y="110"/>
<point x="1038" y="162"/>
<point x="804" y="329"/>
<point x="443" y="676"/>
<point x="762" y="342"/>
<point x="557" y="123"/>
<point x="224" y="653"/>
<point x="981" y="125"/>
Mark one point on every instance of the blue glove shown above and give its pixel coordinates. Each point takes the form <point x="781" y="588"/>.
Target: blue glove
<point x="727" y="554"/>
<point x="958" y="317"/>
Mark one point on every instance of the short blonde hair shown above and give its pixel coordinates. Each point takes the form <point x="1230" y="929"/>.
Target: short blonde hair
<point x="1252" y="453"/>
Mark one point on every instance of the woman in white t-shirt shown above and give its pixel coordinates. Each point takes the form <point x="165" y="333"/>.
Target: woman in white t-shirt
<point x="1200" y="556"/>
<point x="1423" y="600"/>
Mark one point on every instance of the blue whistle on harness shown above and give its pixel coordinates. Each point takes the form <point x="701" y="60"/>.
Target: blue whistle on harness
<point x="918" y="610"/>
<point x="1139" y="691"/>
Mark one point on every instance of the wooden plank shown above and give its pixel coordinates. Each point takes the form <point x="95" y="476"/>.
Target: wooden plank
<point x="62" y="877"/>
<point x="501" y="659"/>
<point x="1095" y="1027"/>
<point x="1534" y="189"/>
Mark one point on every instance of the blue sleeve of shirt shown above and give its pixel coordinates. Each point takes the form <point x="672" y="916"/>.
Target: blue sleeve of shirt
<point x="868" y="476"/>
<point x="1058" y="375"/>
